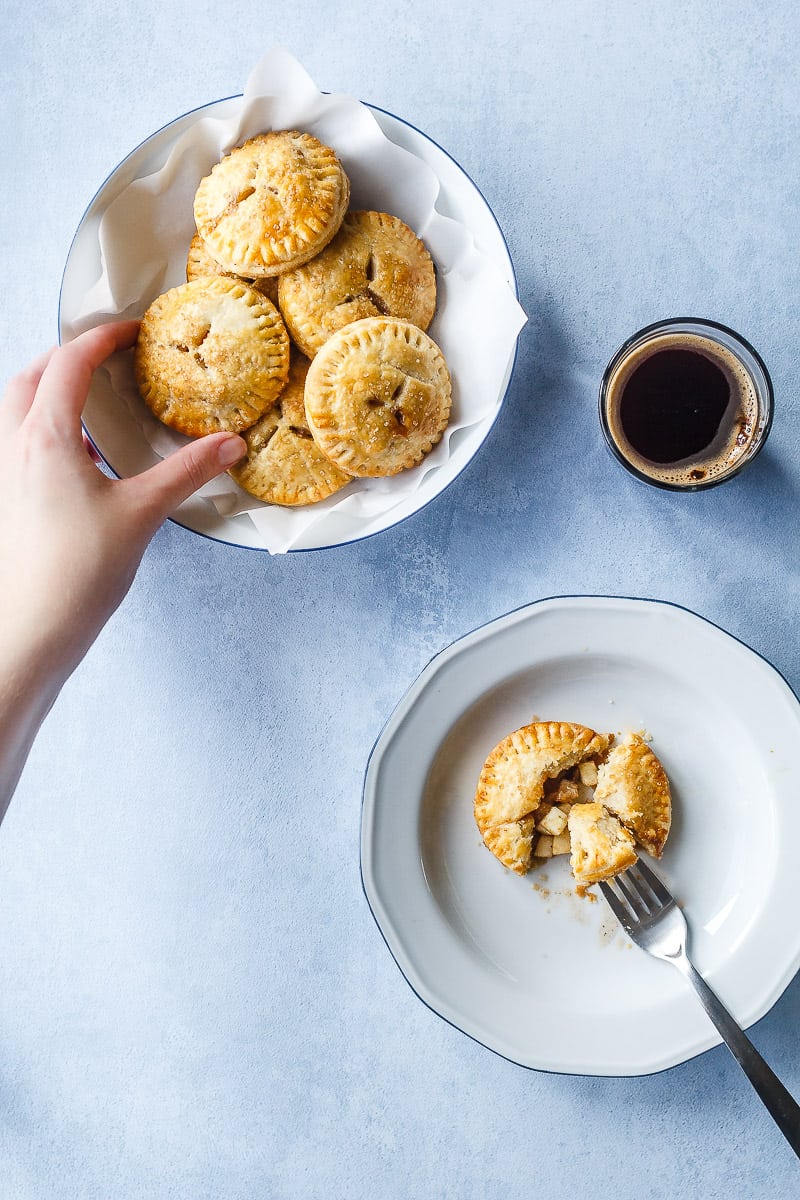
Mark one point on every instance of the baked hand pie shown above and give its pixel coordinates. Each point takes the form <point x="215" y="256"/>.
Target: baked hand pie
<point x="272" y="203"/>
<point x="512" y="783"/>
<point x="211" y="354"/>
<point x="284" y="465"/>
<point x="374" y="266"/>
<point x="553" y="788"/>
<point x="378" y="396"/>
<point x="199" y="262"/>
<point x="633" y="784"/>
<point x="600" y="845"/>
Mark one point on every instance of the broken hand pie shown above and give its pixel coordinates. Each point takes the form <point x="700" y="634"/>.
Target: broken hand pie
<point x="554" y="787"/>
<point x="633" y="785"/>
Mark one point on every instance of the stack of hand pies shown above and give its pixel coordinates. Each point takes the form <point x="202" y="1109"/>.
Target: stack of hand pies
<point x="301" y="326"/>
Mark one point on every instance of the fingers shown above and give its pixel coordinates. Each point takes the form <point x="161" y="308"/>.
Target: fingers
<point x="65" y="380"/>
<point x="159" y="491"/>
<point x="22" y="389"/>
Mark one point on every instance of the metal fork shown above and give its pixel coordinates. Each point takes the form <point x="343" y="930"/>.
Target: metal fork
<point x="652" y="919"/>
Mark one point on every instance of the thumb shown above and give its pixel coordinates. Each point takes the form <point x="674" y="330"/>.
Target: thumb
<point x="166" y="485"/>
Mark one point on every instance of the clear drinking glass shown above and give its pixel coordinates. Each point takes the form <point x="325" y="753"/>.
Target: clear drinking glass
<point x="742" y="430"/>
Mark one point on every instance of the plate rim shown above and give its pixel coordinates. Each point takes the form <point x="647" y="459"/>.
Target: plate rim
<point x="401" y="709"/>
<point x="494" y="417"/>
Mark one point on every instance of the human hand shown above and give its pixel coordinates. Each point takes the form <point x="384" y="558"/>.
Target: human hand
<point x="71" y="539"/>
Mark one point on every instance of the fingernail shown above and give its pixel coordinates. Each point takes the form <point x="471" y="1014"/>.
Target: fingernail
<point x="230" y="451"/>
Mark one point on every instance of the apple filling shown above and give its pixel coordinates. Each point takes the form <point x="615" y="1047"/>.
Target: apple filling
<point x="553" y="788"/>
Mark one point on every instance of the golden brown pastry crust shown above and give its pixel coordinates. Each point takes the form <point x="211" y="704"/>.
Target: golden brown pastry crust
<point x="601" y="846"/>
<point x="211" y="354"/>
<point x="284" y="465"/>
<point x="199" y="263"/>
<point x="511" y="783"/>
<point x="633" y="784"/>
<point x="378" y="396"/>
<point x="375" y="266"/>
<point x="272" y="203"/>
<point x="512" y="843"/>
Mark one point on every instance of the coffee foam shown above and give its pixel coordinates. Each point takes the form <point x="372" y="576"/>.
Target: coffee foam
<point x="738" y="427"/>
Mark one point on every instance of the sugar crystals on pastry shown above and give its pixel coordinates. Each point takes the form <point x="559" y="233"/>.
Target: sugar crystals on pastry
<point x="211" y="354"/>
<point x="378" y="396"/>
<point x="375" y="266"/>
<point x="272" y="203"/>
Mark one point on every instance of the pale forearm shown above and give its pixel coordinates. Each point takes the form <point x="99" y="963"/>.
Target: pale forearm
<point x="48" y="620"/>
<point x="71" y="538"/>
<point x="28" y="687"/>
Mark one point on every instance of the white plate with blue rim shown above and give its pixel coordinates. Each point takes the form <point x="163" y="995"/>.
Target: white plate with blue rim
<point x="117" y="437"/>
<point x="524" y="965"/>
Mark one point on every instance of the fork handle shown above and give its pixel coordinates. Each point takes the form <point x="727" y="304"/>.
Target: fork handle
<point x="782" y="1106"/>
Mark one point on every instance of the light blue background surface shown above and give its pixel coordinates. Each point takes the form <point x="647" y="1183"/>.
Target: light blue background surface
<point x="194" y="999"/>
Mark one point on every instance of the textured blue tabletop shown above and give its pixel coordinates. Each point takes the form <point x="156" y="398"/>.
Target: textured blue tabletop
<point x="195" y="1000"/>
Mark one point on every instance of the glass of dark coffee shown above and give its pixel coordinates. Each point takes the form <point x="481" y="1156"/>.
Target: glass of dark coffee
<point x="685" y="404"/>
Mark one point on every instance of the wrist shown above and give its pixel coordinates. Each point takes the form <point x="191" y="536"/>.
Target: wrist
<point x="30" y="680"/>
<point x="34" y="659"/>
<point x="45" y="627"/>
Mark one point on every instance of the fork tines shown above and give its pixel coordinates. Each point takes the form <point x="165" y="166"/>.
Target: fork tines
<point x="635" y="895"/>
<point x="655" y="884"/>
